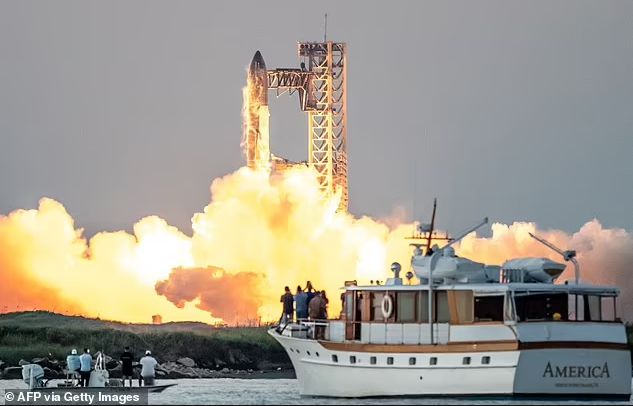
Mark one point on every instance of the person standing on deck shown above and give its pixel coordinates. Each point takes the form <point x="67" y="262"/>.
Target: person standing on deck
<point x="85" y="361"/>
<point x="316" y="309"/>
<point x="148" y="372"/>
<point x="310" y="291"/>
<point x="301" y="300"/>
<point x="127" y="370"/>
<point x="288" y="305"/>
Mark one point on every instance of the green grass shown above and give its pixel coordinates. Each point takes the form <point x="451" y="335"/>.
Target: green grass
<point x="39" y="334"/>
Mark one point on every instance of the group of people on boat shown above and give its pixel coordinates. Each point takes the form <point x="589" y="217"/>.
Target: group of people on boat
<point x="305" y="304"/>
<point x="81" y="366"/>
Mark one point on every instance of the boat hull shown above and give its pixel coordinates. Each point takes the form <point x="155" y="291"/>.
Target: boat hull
<point x="534" y="372"/>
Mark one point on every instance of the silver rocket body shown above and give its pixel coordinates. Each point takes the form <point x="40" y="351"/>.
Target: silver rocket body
<point x="257" y="137"/>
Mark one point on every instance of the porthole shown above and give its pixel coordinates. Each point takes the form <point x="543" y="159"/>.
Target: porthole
<point x="433" y="361"/>
<point x="317" y="354"/>
<point x="352" y="359"/>
<point x="412" y="361"/>
<point x="485" y="360"/>
<point x="334" y="358"/>
<point x="308" y="352"/>
<point x="466" y="361"/>
<point x="372" y="360"/>
<point x="389" y="360"/>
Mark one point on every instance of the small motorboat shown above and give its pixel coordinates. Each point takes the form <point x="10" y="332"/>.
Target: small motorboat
<point x="33" y="376"/>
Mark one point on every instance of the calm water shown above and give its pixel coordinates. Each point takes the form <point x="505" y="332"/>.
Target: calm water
<point x="278" y="391"/>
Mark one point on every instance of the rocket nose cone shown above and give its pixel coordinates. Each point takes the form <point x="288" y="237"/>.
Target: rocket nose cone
<point x="258" y="62"/>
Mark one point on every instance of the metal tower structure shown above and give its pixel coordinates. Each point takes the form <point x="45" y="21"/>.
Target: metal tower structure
<point x="327" y="114"/>
<point x="321" y="83"/>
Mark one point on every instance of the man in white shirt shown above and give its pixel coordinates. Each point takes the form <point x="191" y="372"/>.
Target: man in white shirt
<point x="85" y="360"/>
<point x="148" y="372"/>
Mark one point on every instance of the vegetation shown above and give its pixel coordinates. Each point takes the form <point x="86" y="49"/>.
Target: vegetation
<point x="42" y="334"/>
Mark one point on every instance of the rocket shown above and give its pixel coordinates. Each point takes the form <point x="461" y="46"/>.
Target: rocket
<point x="257" y="135"/>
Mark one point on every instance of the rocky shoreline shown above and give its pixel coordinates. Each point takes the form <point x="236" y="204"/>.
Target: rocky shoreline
<point x="183" y="368"/>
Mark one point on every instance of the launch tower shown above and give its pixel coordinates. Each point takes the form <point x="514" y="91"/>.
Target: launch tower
<point x="321" y="84"/>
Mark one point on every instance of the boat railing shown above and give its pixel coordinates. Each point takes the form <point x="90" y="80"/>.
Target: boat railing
<point x="316" y="327"/>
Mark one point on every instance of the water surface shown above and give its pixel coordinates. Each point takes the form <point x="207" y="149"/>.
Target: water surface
<point x="284" y="391"/>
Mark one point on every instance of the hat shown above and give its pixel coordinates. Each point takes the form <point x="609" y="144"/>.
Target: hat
<point x="74" y="352"/>
<point x="148" y="352"/>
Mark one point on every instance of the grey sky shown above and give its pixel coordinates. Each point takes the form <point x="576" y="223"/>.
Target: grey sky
<point x="515" y="110"/>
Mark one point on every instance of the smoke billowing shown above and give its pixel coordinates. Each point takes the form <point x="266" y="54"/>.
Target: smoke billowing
<point x="257" y="235"/>
<point x="232" y="298"/>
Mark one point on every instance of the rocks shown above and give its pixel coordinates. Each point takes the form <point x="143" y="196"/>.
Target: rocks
<point x="186" y="361"/>
<point x="2" y="365"/>
<point x="23" y="362"/>
<point x="12" y="373"/>
<point x="176" y="370"/>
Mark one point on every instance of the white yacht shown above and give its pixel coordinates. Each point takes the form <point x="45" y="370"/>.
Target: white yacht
<point x="466" y="329"/>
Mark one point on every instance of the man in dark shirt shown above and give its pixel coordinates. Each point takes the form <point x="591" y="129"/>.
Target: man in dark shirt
<point x="288" y="305"/>
<point x="127" y="358"/>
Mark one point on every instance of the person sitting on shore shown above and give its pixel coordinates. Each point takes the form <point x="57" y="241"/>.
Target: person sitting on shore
<point x="73" y="365"/>
<point x="86" y="366"/>
<point x="301" y="300"/>
<point x="148" y="373"/>
<point x="127" y="369"/>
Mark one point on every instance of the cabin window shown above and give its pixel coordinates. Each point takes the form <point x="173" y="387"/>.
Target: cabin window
<point x="442" y="314"/>
<point x="350" y="311"/>
<point x="406" y="307"/>
<point x="352" y="359"/>
<point x="372" y="360"/>
<point x="334" y="358"/>
<point x="466" y="361"/>
<point x="461" y="306"/>
<point x="485" y="360"/>
<point x="423" y="307"/>
<point x="317" y="354"/>
<point x="541" y="306"/>
<point x="433" y="361"/>
<point x="412" y="361"/>
<point x="377" y="306"/>
<point x="489" y="308"/>
<point x="592" y="308"/>
<point x="608" y="308"/>
<point x="389" y="360"/>
<point x="366" y="306"/>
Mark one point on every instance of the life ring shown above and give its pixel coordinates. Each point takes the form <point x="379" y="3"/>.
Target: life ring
<point x="387" y="306"/>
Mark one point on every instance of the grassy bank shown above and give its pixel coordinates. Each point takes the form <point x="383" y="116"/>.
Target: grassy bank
<point x="29" y="335"/>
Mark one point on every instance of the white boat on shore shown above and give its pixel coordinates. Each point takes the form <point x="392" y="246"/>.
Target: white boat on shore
<point x="466" y="329"/>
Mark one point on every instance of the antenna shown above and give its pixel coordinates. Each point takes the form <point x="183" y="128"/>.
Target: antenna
<point x="569" y="255"/>
<point x="325" y="31"/>
<point x="465" y="233"/>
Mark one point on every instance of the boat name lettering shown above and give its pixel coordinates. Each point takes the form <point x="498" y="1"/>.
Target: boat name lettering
<point x="569" y="371"/>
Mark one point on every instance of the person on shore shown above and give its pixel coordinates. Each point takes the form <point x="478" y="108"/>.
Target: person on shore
<point x="288" y="305"/>
<point x="127" y="369"/>
<point x="301" y="300"/>
<point x="85" y="361"/>
<point x="73" y="365"/>
<point x="148" y="372"/>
